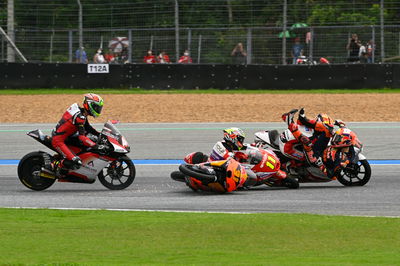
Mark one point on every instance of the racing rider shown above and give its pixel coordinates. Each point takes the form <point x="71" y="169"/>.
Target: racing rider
<point x="233" y="145"/>
<point x="341" y="151"/>
<point x="74" y="121"/>
<point x="313" y="145"/>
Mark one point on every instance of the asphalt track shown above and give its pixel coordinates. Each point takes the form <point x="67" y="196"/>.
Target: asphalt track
<point x="153" y="145"/>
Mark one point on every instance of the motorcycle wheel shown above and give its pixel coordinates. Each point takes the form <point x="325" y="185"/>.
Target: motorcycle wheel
<point x="119" y="174"/>
<point x="290" y="182"/>
<point x="189" y="170"/>
<point x="356" y="175"/>
<point x="28" y="169"/>
<point x="178" y="176"/>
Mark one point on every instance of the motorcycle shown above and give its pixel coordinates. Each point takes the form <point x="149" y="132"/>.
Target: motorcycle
<point x="216" y="176"/>
<point x="356" y="173"/>
<point x="114" y="169"/>
<point x="265" y="164"/>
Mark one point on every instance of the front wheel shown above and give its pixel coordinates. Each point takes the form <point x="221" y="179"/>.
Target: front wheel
<point x="29" y="169"/>
<point x="119" y="174"/>
<point x="200" y="174"/>
<point x="356" y="174"/>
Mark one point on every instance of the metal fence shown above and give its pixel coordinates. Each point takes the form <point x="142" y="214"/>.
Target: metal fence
<point x="208" y="45"/>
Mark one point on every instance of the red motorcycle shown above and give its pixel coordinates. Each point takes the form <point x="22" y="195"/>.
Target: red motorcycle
<point x="111" y="166"/>
<point x="266" y="165"/>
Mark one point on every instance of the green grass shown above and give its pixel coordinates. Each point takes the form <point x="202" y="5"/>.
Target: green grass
<point x="213" y="91"/>
<point x="130" y="238"/>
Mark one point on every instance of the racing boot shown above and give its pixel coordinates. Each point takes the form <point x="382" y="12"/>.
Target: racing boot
<point x="288" y="117"/>
<point x="65" y="165"/>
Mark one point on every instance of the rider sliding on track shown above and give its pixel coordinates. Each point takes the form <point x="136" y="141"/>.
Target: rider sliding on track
<point x="233" y="146"/>
<point x="74" y="122"/>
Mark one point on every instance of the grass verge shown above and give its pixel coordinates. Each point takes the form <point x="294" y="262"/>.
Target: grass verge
<point x="211" y="91"/>
<point x="109" y="237"/>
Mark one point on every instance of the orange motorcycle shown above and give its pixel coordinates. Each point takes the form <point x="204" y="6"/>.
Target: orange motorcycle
<point x="217" y="176"/>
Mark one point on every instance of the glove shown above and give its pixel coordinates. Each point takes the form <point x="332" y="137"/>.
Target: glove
<point x="302" y="112"/>
<point x="340" y="123"/>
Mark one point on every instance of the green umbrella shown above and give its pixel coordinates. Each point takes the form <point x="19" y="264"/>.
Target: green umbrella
<point x="287" y="34"/>
<point x="298" y="25"/>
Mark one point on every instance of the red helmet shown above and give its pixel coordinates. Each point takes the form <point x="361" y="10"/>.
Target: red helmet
<point x="93" y="104"/>
<point x="343" y="137"/>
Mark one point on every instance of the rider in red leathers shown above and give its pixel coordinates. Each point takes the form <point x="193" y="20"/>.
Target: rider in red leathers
<point x="74" y="121"/>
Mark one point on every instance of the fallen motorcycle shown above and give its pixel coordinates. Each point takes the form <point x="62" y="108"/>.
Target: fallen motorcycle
<point x="266" y="165"/>
<point x="217" y="176"/>
<point x="356" y="173"/>
<point x="114" y="169"/>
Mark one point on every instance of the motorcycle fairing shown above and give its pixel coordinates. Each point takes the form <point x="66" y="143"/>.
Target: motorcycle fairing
<point x="91" y="167"/>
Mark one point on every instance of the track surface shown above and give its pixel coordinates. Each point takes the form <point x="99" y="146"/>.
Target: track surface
<point x="154" y="190"/>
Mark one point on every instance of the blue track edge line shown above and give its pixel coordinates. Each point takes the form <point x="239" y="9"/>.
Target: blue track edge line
<point x="177" y="162"/>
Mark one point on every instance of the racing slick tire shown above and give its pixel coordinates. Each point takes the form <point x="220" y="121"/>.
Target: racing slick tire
<point x="355" y="175"/>
<point x="28" y="172"/>
<point x="189" y="170"/>
<point x="119" y="174"/>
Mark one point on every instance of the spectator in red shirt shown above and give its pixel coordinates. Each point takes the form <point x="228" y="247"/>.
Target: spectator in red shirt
<point x="109" y="57"/>
<point x="185" y="59"/>
<point x="149" y="58"/>
<point x="163" y="58"/>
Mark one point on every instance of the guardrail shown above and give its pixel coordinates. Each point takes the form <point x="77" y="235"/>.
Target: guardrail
<point x="200" y="76"/>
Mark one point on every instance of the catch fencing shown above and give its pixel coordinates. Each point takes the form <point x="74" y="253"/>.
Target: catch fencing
<point x="208" y="45"/>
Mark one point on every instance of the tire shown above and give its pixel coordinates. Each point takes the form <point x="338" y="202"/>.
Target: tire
<point x="189" y="170"/>
<point x="359" y="175"/>
<point x="119" y="174"/>
<point x="291" y="183"/>
<point x="29" y="164"/>
<point x="178" y="176"/>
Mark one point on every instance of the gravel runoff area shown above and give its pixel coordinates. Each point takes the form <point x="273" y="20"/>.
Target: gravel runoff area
<point x="150" y="108"/>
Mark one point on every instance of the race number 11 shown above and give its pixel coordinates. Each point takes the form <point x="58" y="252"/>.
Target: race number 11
<point x="97" y="68"/>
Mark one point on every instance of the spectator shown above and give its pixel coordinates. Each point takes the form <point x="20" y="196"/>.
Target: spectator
<point x="370" y="51"/>
<point x="163" y="58"/>
<point x="239" y="54"/>
<point x="109" y="57"/>
<point x="124" y="55"/>
<point x="185" y="58"/>
<point x="353" y="46"/>
<point x="80" y="56"/>
<point x="149" y="58"/>
<point x="362" y="54"/>
<point x="297" y="50"/>
<point x="98" y="58"/>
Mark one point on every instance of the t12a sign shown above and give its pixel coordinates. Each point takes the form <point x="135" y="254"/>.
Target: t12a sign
<point x="98" y="68"/>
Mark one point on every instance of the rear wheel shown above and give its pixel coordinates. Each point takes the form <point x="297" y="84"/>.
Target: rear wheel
<point x="194" y="171"/>
<point x="29" y="169"/>
<point x="355" y="174"/>
<point x="119" y="174"/>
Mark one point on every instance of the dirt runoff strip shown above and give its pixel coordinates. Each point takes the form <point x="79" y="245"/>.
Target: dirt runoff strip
<point x="157" y="108"/>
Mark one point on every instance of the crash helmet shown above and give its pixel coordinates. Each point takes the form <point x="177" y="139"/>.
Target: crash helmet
<point x="327" y="121"/>
<point x="235" y="137"/>
<point x="93" y="104"/>
<point x="343" y="137"/>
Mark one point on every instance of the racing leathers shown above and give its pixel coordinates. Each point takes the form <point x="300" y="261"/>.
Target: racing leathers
<point x="72" y="122"/>
<point x="222" y="151"/>
<point x="321" y="135"/>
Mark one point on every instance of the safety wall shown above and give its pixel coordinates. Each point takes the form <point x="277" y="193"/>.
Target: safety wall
<point x="201" y="76"/>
